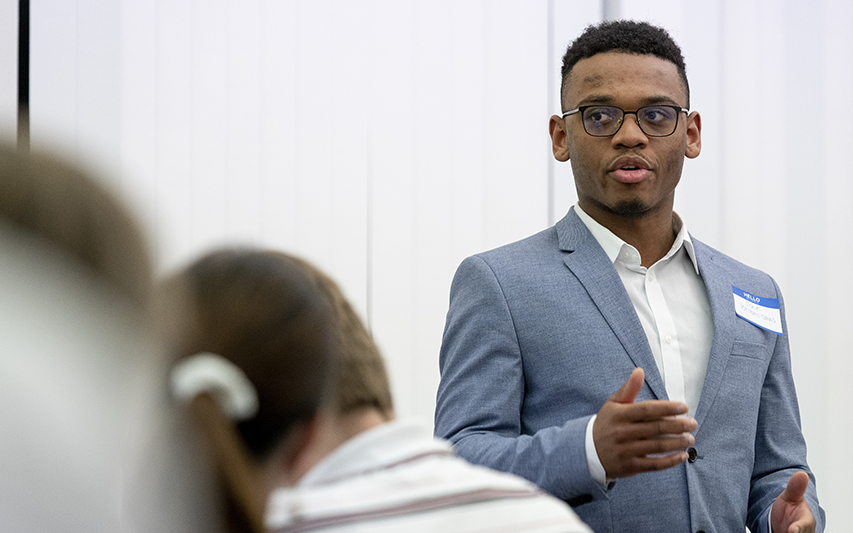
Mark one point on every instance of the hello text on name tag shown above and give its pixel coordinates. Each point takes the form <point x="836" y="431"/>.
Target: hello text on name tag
<point x="763" y="312"/>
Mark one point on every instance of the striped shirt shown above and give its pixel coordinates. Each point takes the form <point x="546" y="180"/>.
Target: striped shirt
<point x="397" y="477"/>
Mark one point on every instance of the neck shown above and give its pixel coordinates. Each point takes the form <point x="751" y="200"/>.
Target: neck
<point x="333" y="430"/>
<point x="652" y="234"/>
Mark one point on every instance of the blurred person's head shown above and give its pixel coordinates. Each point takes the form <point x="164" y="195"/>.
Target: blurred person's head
<point x="361" y="380"/>
<point x="59" y="204"/>
<point x="361" y="393"/>
<point x="259" y="316"/>
<point x="88" y="439"/>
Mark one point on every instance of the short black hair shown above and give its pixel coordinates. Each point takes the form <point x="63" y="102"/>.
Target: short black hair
<point x="627" y="36"/>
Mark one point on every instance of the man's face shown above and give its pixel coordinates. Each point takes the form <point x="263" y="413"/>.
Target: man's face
<point x="628" y="175"/>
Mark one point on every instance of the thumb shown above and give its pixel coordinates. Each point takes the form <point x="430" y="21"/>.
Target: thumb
<point x="628" y="392"/>
<point x="796" y="489"/>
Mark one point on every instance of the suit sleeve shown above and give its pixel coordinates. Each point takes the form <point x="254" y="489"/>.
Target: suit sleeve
<point x="780" y="448"/>
<point x="482" y="388"/>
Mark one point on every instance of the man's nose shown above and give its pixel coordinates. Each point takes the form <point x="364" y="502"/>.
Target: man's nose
<point x="630" y="134"/>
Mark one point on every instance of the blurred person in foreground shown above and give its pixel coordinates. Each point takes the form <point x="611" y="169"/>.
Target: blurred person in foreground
<point x="88" y="441"/>
<point x="254" y="361"/>
<point x="355" y="468"/>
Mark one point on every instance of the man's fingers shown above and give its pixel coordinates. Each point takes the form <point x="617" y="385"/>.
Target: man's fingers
<point x="654" y="464"/>
<point x="631" y="466"/>
<point x="791" y="512"/>
<point x="628" y="392"/>
<point x="796" y="489"/>
<point x="662" y="445"/>
<point x="665" y="430"/>
<point x="649" y="411"/>
<point x="631" y="438"/>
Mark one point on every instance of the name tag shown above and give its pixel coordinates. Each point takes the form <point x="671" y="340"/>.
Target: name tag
<point x="763" y="312"/>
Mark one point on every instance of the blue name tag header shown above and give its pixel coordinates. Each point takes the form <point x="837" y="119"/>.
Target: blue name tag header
<point x="772" y="303"/>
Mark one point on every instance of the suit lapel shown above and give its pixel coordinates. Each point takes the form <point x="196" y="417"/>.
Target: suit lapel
<point x="718" y="284"/>
<point x="596" y="273"/>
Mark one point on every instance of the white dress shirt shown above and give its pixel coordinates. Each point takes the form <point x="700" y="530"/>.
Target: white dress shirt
<point x="672" y="304"/>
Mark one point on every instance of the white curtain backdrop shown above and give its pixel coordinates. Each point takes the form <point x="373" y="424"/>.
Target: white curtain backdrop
<point x="386" y="140"/>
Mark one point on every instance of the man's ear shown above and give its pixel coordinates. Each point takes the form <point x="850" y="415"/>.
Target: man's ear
<point x="299" y="446"/>
<point x="305" y="446"/>
<point x="694" y="135"/>
<point x="559" y="142"/>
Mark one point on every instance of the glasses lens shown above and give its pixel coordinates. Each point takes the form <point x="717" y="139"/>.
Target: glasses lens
<point x="602" y="120"/>
<point x="657" y="121"/>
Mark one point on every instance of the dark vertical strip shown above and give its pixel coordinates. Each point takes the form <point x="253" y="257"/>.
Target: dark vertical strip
<point x="23" y="74"/>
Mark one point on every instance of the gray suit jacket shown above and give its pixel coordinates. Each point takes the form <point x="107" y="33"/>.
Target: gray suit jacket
<point x="541" y="332"/>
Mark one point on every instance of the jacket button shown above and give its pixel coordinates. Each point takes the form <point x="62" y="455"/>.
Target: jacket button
<point x="701" y="531"/>
<point x="691" y="458"/>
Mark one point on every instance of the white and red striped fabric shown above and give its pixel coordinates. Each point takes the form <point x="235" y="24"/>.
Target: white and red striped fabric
<point x="397" y="477"/>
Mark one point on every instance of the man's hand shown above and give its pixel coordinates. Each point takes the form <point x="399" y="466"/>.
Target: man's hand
<point x="627" y="433"/>
<point x="791" y="513"/>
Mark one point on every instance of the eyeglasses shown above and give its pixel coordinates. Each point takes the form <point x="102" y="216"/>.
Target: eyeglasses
<point x="605" y="120"/>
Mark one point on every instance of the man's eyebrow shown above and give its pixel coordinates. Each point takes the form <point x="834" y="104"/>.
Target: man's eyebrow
<point x="597" y="99"/>
<point x="652" y="100"/>
<point x="606" y="99"/>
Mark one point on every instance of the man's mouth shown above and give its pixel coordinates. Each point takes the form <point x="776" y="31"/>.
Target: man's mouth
<point x="631" y="174"/>
<point x="631" y="170"/>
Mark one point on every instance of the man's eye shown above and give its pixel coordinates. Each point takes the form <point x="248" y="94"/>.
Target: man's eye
<point x="657" y="114"/>
<point x="601" y="117"/>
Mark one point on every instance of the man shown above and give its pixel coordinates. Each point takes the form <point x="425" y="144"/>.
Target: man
<point x="365" y="471"/>
<point x="614" y="360"/>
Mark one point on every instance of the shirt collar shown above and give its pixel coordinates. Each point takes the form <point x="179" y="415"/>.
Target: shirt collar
<point x="377" y="448"/>
<point x="613" y="245"/>
<point x="381" y="448"/>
